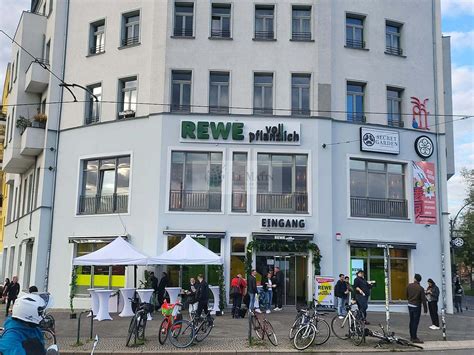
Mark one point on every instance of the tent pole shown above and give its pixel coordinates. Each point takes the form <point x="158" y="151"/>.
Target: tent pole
<point x="135" y="267"/>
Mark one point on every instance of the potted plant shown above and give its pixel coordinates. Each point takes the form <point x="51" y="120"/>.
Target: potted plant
<point x="22" y="123"/>
<point x="40" y="119"/>
<point x="72" y="292"/>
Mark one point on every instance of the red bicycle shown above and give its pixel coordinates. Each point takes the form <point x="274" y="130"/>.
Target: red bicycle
<point x="172" y="314"/>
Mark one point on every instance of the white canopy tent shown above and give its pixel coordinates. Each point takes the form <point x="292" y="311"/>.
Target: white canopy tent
<point x="187" y="252"/>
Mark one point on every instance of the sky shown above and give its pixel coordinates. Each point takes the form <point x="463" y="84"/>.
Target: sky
<point x="457" y="22"/>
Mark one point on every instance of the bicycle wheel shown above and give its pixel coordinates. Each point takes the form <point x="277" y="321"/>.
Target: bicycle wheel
<point x="406" y="342"/>
<point x="340" y="327"/>
<point x="358" y="333"/>
<point x="182" y="333"/>
<point x="257" y="326"/>
<point x="141" y="325"/>
<point x="323" y="332"/>
<point x="270" y="332"/>
<point x="163" y="331"/>
<point x="132" y="331"/>
<point x="295" y="326"/>
<point x="304" y="337"/>
<point x="204" y="329"/>
<point x="49" y="337"/>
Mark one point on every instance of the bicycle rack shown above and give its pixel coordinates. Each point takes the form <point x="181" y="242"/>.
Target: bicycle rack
<point x="78" y="339"/>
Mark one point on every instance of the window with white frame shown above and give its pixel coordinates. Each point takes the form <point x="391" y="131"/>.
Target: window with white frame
<point x="219" y="92"/>
<point x="263" y="93"/>
<point x="355" y="102"/>
<point x="264" y="22"/>
<point x="301" y="23"/>
<point x="94" y="96"/>
<point x="181" y="90"/>
<point x="355" y="31"/>
<point x="97" y="37"/>
<point x="393" y="38"/>
<point x="300" y="94"/>
<point x="127" y="97"/>
<point x="220" y="21"/>
<point x="131" y="28"/>
<point x="183" y="19"/>
<point x="239" y="182"/>
<point x="394" y="107"/>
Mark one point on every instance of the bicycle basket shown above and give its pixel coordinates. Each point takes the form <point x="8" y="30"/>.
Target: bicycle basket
<point x="167" y="309"/>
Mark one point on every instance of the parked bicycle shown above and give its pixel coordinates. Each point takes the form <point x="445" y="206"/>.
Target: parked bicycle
<point x="172" y="314"/>
<point x="352" y="325"/>
<point x="302" y="317"/>
<point x="315" y="330"/>
<point x="137" y="327"/>
<point x="185" y="332"/>
<point x="262" y="326"/>
<point x="390" y="338"/>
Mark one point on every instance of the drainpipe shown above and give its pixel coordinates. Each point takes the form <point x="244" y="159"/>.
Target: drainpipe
<point x="55" y="166"/>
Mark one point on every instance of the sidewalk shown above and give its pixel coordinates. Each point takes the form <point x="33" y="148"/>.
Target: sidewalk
<point x="229" y="335"/>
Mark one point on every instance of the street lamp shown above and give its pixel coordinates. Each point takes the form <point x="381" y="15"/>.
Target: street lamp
<point x="452" y="224"/>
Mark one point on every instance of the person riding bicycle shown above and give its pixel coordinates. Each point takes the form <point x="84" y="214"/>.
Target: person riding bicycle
<point x="22" y="334"/>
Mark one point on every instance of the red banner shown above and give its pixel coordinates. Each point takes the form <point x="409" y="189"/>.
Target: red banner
<point x="424" y="192"/>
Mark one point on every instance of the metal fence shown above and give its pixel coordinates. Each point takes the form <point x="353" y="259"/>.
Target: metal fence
<point x="280" y="202"/>
<point x="378" y="208"/>
<point x="206" y="201"/>
<point x="103" y="204"/>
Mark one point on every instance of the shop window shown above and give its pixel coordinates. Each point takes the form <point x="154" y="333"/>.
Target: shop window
<point x="371" y="260"/>
<point x="196" y="181"/>
<point x="239" y="182"/>
<point x="378" y="190"/>
<point x="237" y="257"/>
<point x="282" y="183"/>
<point x="107" y="277"/>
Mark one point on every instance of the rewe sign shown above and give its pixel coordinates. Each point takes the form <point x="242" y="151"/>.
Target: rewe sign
<point x="243" y="132"/>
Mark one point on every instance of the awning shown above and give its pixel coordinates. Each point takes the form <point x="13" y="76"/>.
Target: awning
<point x="195" y="234"/>
<point x="97" y="239"/>
<point x="380" y="244"/>
<point x="283" y="236"/>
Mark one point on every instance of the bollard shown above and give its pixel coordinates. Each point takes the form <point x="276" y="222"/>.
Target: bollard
<point x="92" y="325"/>
<point x="78" y="339"/>
<point x="250" y="327"/>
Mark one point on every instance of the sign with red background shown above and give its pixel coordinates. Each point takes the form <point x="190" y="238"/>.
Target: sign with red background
<point x="424" y="192"/>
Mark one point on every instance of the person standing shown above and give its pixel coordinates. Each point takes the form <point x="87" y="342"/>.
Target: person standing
<point x="362" y="293"/>
<point x="348" y="290"/>
<point x="416" y="298"/>
<point x="269" y="286"/>
<point x="236" y="293"/>
<point x="279" y="282"/>
<point x="252" y="290"/>
<point x="340" y="291"/>
<point x="191" y="298"/>
<point x="154" y="286"/>
<point x="4" y="289"/>
<point x="202" y="296"/>
<point x="12" y="293"/>
<point x="162" y="288"/>
<point x="432" y="296"/>
<point x="458" y="294"/>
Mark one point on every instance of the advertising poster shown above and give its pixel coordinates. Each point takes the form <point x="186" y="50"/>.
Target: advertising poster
<point x="324" y="290"/>
<point x="424" y="192"/>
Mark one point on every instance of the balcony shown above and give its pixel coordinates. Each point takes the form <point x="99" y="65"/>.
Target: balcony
<point x="195" y="201"/>
<point x="183" y="32"/>
<point x="301" y="36"/>
<point x="220" y="33"/>
<point x="37" y="78"/>
<point x="103" y="204"/>
<point x="379" y="208"/>
<point x="14" y="162"/>
<point x="353" y="43"/>
<point x="296" y="202"/>
<point x="394" y="50"/>
<point x="264" y="35"/>
<point x="32" y="141"/>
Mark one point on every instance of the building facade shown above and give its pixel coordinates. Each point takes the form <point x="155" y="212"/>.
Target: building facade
<point x="280" y="128"/>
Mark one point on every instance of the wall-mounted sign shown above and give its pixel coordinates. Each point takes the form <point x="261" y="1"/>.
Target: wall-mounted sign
<point x="424" y="146"/>
<point x="379" y="140"/>
<point x="291" y="223"/>
<point x="424" y="191"/>
<point x="241" y="132"/>
<point x="420" y="114"/>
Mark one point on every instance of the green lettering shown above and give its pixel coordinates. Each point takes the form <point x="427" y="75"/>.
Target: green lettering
<point x="187" y="129"/>
<point x="203" y="130"/>
<point x="238" y="131"/>
<point x="220" y="129"/>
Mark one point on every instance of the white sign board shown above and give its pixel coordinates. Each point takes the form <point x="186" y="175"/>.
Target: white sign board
<point x="324" y="290"/>
<point x="379" y="140"/>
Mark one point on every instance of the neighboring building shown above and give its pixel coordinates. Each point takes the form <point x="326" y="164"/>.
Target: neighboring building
<point x="31" y="141"/>
<point x="278" y="123"/>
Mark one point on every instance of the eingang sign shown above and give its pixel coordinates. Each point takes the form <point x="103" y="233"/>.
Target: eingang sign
<point x="242" y="132"/>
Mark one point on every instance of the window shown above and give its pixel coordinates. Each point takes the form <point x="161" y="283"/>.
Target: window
<point x="97" y="37"/>
<point x="127" y="97"/>
<point x="105" y="185"/>
<point x="378" y="189"/>
<point x="131" y="28"/>
<point x="17" y="65"/>
<point x="18" y="201"/>
<point x="12" y="124"/>
<point x="93" y="106"/>
<point x="183" y="19"/>
<point x="30" y="193"/>
<point x="50" y="7"/>
<point x="392" y="38"/>
<point x="220" y="21"/>
<point x="219" y="92"/>
<point x="263" y="93"/>
<point x="11" y="260"/>
<point x="237" y="257"/>
<point x="47" y="52"/>
<point x="196" y="181"/>
<point x="282" y="183"/>
<point x="355" y="31"/>
<point x="300" y="94"/>
<point x="301" y="23"/>
<point x="181" y="91"/>
<point x="355" y="102"/>
<point x="372" y="261"/>
<point x="394" y="107"/>
<point x="264" y="22"/>
<point x="25" y="192"/>
<point x="239" y="182"/>
<point x="106" y="277"/>
<point x="37" y="186"/>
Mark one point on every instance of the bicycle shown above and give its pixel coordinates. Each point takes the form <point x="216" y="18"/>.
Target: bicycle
<point x="391" y="338"/>
<point x="48" y="327"/>
<point x="186" y="332"/>
<point x="172" y="314"/>
<point x="137" y="326"/>
<point x="315" y="331"/>
<point x="352" y="325"/>
<point x="262" y="326"/>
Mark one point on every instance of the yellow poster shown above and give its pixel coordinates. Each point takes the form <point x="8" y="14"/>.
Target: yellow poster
<point x="324" y="290"/>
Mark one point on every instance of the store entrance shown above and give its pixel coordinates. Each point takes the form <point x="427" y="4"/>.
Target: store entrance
<point x="294" y="268"/>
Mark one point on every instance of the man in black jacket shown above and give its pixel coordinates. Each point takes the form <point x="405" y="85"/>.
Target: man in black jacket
<point x="161" y="288"/>
<point x="340" y="291"/>
<point x="202" y="296"/>
<point x="362" y="293"/>
<point x="279" y="282"/>
<point x="13" y="289"/>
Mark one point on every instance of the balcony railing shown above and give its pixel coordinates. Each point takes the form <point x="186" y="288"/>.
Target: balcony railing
<point x="356" y="117"/>
<point x="395" y="122"/>
<point x="296" y="202"/>
<point x="218" y="109"/>
<point x="183" y="32"/>
<point x="130" y="41"/>
<point x="220" y="33"/>
<point x="354" y="43"/>
<point x="204" y="201"/>
<point x="263" y="110"/>
<point x="379" y="208"/>
<point x="265" y="35"/>
<point x="239" y="201"/>
<point x="103" y="204"/>
<point x="300" y="111"/>
<point x="97" y="49"/>
<point x="92" y="119"/>
<point x="393" y="50"/>
<point x="301" y="36"/>
<point x="180" y="108"/>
